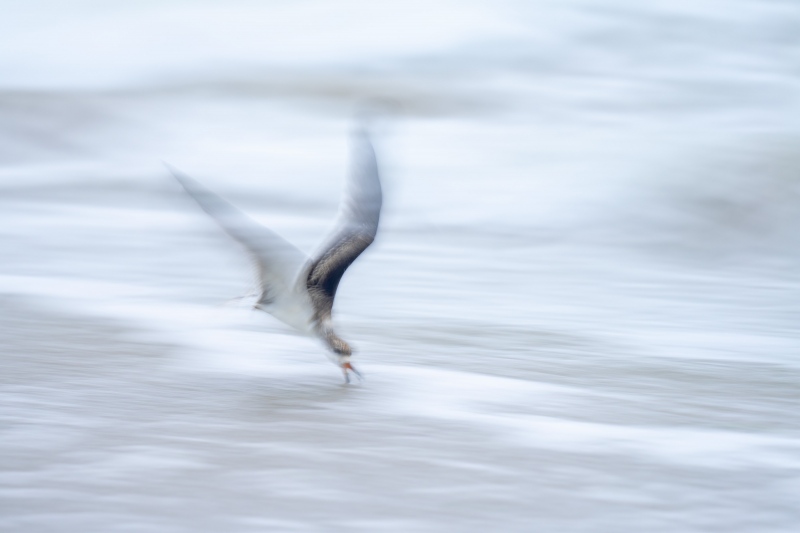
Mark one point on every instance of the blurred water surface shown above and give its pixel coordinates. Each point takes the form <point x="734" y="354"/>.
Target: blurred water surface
<point x="580" y="314"/>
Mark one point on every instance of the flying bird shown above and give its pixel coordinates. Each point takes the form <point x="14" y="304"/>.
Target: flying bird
<point x="295" y="288"/>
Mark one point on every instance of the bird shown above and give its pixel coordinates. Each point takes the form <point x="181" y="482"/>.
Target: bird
<point x="296" y="288"/>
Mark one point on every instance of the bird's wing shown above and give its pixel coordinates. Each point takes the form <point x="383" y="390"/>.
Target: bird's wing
<point x="277" y="260"/>
<point x="355" y="229"/>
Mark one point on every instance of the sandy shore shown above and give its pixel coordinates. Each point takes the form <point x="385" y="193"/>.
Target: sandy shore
<point x="102" y="432"/>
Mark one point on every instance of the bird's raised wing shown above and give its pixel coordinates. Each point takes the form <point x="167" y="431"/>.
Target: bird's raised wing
<point x="355" y="229"/>
<point x="277" y="260"/>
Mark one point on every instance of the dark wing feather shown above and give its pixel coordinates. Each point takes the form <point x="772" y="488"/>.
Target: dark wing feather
<point x="355" y="230"/>
<point x="277" y="260"/>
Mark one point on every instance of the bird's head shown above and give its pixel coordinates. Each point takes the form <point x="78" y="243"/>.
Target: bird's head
<point x="343" y="352"/>
<point x="338" y="346"/>
<point x="333" y="341"/>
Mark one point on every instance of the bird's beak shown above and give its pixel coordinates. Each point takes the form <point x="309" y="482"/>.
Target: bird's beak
<point x="347" y="368"/>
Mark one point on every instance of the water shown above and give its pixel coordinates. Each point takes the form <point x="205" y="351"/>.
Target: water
<point x="580" y="314"/>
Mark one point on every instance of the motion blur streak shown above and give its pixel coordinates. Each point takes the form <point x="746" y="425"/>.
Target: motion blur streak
<point x="580" y="313"/>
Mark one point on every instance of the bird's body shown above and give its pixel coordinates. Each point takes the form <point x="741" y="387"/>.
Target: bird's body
<point x="297" y="289"/>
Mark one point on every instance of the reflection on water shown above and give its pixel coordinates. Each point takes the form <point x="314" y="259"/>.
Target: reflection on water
<point x="581" y="310"/>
